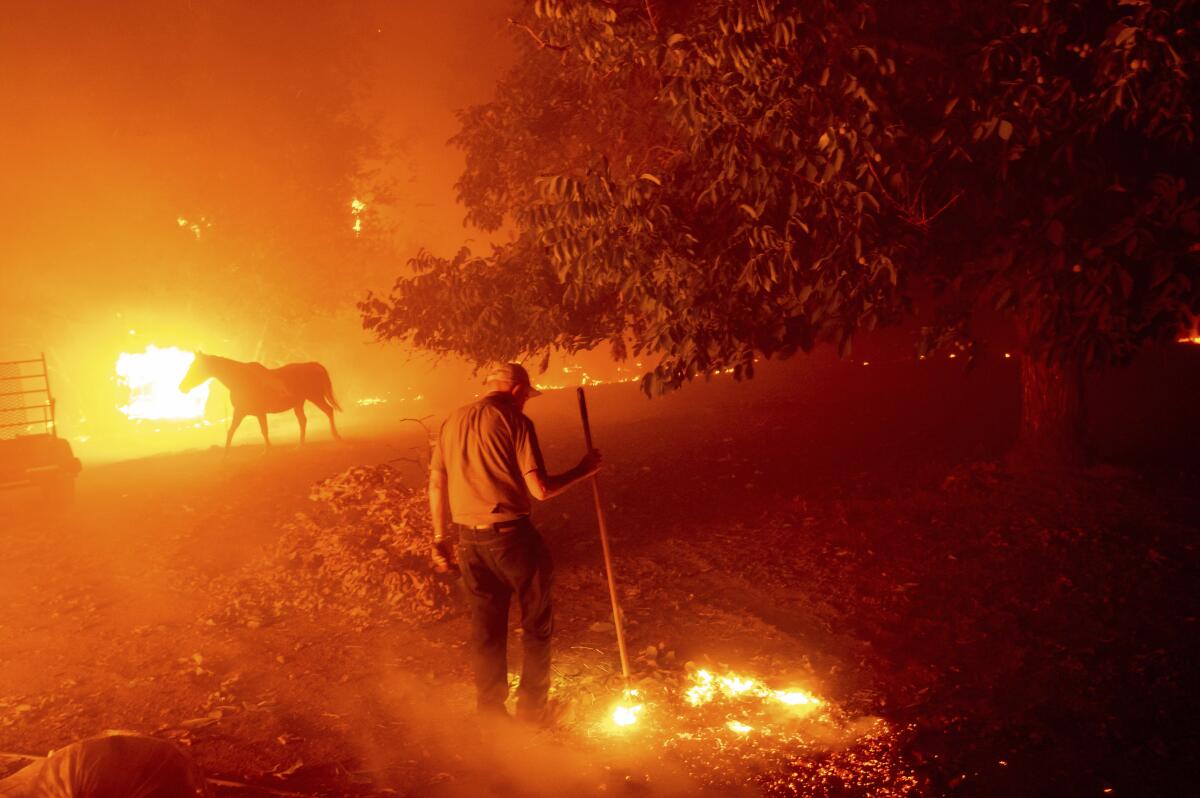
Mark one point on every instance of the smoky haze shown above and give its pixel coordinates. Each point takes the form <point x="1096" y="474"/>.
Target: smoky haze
<point x="181" y="174"/>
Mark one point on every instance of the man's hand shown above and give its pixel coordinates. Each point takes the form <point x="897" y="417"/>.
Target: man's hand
<point x="542" y="487"/>
<point x="443" y="557"/>
<point x="590" y="464"/>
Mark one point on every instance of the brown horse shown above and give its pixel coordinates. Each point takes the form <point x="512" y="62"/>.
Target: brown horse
<point x="255" y="390"/>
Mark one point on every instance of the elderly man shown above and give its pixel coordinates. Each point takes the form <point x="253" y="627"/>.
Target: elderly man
<point x="486" y="466"/>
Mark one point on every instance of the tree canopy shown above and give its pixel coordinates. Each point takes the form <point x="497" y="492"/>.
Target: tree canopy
<point x="1069" y="130"/>
<point x="712" y="182"/>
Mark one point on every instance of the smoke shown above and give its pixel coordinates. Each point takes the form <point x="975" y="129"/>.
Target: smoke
<point x="472" y="757"/>
<point x="183" y="176"/>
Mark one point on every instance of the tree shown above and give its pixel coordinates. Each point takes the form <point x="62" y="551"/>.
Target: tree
<point x="1071" y="128"/>
<point x="709" y="194"/>
<point x="711" y="182"/>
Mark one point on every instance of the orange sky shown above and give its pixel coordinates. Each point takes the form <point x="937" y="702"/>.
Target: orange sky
<point x="259" y="118"/>
<point x="122" y="117"/>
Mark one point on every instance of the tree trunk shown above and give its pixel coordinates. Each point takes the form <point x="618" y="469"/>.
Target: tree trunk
<point x="1051" y="415"/>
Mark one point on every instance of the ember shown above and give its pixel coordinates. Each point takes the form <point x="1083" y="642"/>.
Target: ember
<point x="724" y="724"/>
<point x="739" y="727"/>
<point x="707" y="687"/>
<point x="626" y="713"/>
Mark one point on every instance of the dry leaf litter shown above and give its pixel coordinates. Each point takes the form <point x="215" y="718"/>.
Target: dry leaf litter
<point x="362" y="551"/>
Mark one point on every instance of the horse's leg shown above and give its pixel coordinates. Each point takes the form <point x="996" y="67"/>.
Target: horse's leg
<point x="301" y="419"/>
<point x="327" y="409"/>
<point x="262" y="424"/>
<point x="238" y="415"/>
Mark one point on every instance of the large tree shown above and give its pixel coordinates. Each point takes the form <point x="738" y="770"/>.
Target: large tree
<point x="1066" y="132"/>
<point x="718" y="181"/>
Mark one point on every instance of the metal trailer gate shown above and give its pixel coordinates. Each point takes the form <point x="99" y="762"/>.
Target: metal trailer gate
<point x="31" y="453"/>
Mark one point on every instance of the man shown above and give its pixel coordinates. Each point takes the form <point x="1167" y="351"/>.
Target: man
<point x="486" y="467"/>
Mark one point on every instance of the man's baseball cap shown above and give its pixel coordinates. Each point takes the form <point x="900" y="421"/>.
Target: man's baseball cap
<point x="512" y="374"/>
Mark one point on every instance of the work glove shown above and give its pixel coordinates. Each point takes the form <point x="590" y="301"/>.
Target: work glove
<point x="442" y="554"/>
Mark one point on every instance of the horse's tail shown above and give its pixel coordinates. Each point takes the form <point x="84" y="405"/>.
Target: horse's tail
<point x="327" y="390"/>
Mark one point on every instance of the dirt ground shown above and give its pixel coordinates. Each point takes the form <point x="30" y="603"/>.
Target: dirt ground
<point x="968" y="630"/>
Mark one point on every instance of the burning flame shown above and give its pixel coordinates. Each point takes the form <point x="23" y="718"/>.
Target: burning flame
<point x="626" y="713"/>
<point x="153" y="379"/>
<point x="736" y="725"/>
<point x="626" y="716"/>
<point x="739" y="727"/>
<point x="197" y="228"/>
<point x="586" y="379"/>
<point x="624" y="375"/>
<point x="1192" y="334"/>
<point x="794" y="697"/>
<point x="706" y="687"/>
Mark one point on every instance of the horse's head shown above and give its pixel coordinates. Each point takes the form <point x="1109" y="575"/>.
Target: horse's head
<point x="197" y="373"/>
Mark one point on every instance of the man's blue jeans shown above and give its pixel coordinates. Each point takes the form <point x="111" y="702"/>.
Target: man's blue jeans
<point x="495" y="565"/>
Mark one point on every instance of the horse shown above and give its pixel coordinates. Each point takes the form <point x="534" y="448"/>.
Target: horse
<point x="255" y="390"/>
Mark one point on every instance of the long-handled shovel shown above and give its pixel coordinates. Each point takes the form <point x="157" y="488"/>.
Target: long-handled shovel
<point x="612" y="585"/>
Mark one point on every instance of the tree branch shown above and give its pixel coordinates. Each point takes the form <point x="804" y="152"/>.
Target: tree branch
<point x="911" y="214"/>
<point x="650" y="16"/>
<point x="541" y="43"/>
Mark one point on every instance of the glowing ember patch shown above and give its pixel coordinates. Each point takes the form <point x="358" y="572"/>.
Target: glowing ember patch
<point x="368" y="401"/>
<point x="702" y="691"/>
<point x="736" y="685"/>
<point x="795" y="697"/>
<point x="153" y="379"/>
<point x="197" y="228"/>
<point x="707" y="688"/>
<point x="626" y="716"/>
<point x="798" y="744"/>
<point x="1191" y="339"/>
<point x="586" y="379"/>
<point x="626" y="713"/>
